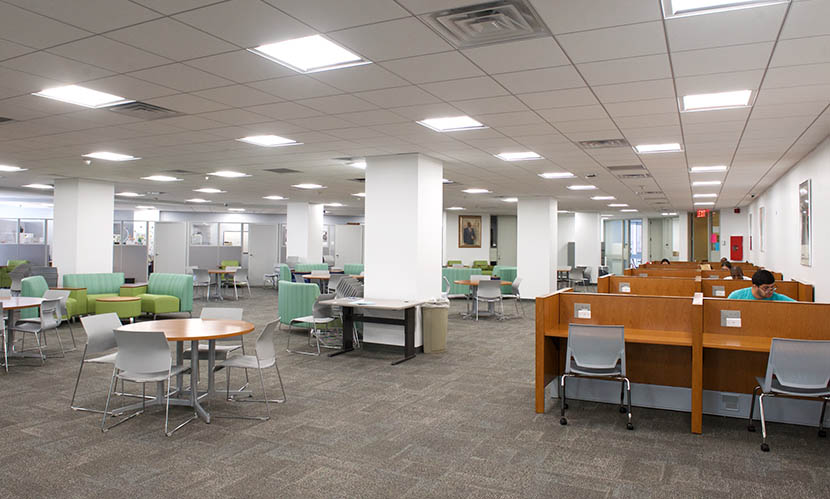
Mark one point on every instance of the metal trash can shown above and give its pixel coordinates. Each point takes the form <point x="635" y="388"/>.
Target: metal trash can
<point x="435" y="316"/>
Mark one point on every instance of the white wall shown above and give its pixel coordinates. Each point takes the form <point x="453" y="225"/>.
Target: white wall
<point x="782" y="252"/>
<point x="537" y="245"/>
<point x="733" y="224"/>
<point x="587" y="229"/>
<point x="565" y="235"/>
<point x="82" y="240"/>
<point x="466" y="255"/>
<point x="683" y="229"/>
<point x="507" y="240"/>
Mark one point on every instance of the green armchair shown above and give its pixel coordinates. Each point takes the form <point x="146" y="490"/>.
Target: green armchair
<point x="484" y="265"/>
<point x="34" y="287"/>
<point x="5" y="280"/>
<point x="229" y="263"/>
<point x="450" y="263"/>
<point x="167" y="294"/>
<point x="506" y="273"/>
<point x="352" y="268"/>
<point x="285" y="272"/>
<point x="308" y="267"/>
<point x="296" y="299"/>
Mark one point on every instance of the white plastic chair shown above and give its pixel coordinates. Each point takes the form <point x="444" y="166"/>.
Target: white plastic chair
<point x="62" y="295"/>
<point x="201" y="279"/>
<point x="266" y="356"/>
<point x="99" y="339"/>
<point x="143" y="357"/>
<point x="596" y="352"/>
<point x="50" y="318"/>
<point x="240" y="277"/>
<point x="795" y="368"/>
<point x="514" y="295"/>
<point x="489" y="291"/>
<point x="445" y="293"/>
<point x="334" y="280"/>
<point x="321" y="315"/>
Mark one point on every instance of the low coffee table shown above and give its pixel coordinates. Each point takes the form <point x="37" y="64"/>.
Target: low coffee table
<point x="127" y="307"/>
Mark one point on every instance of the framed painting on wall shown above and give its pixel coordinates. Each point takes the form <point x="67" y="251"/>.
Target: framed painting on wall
<point x="805" y="219"/>
<point x="469" y="231"/>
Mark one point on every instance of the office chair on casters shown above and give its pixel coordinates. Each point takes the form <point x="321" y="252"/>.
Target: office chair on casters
<point x="796" y="368"/>
<point x="596" y="352"/>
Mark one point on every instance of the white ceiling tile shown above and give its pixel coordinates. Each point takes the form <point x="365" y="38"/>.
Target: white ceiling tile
<point x="295" y="87"/>
<point x="424" y="6"/>
<point x="434" y="67"/>
<point x="499" y="120"/>
<point x="711" y="119"/>
<point x="129" y="87"/>
<point x="585" y="126"/>
<point x="246" y="23"/>
<point x="719" y="29"/>
<point x="650" y="67"/>
<point x="721" y="59"/>
<point x="722" y="82"/>
<point x="391" y="40"/>
<point x="574" y="113"/>
<point x="640" y="90"/>
<point x="340" y="14"/>
<point x="422" y="112"/>
<point x="559" y="98"/>
<point x="806" y="93"/>
<point x="641" y="107"/>
<point x="55" y="67"/>
<point x="27" y="28"/>
<point x="181" y="77"/>
<point x="174" y="6"/>
<point x="490" y="105"/>
<point x="94" y="16"/>
<point x="241" y="66"/>
<point x="186" y="103"/>
<point x="469" y="88"/>
<point x="790" y="109"/>
<point x="521" y="132"/>
<point x="395" y="97"/>
<point x="321" y="123"/>
<point x="109" y="54"/>
<point x="372" y="118"/>
<point x="284" y="111"/>
<point x="801" y="51"/>
<point x="237" y="96"/>
<point x="360" y="78"/>
<point x="171" y="39"/>
<point x="540" y="80"/>
<point x="807" y="19"/>
<point x="10" y="49"/>
<point x="791" y="76"/>
<point x="235" y="117"/>
<point x="521" y="55"/>
<point x="615" y="43"/>
<point x="663" y="119"/>
<point x="192" y="123"/>
<point x="565" y="16"/>
<point x="337" y="104"/>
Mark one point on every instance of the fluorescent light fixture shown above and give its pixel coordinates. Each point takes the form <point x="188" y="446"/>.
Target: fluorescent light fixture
<point x="110" y="156"/>
<point x="451" y="124"/>
<point x="40" y="186"/>
<point x="665" y="214"/>
<point x="553" y="175"/>
<point x="310" y="54"/>
<point x="209" y="190"/>
<point x="518" y="156"/>
<point x="229" y="174"/>
<point x="582" y="187"/>
<point x="705" y="203"/>
<point x="719" y="100"/>
<point x="602" y="198"/>
<point x="161" y="178"/>
<point x="146" y="207"/>
<point x="82" y="96"/>
<point x="681" y="8"/>
<point x="510" y="200"/>
<point x="336" y="205"/>
<point x="269" y="141"/>
<point x="707" y="195"/>
<point x="562" y="211"/>
<point x="236" y="209"/>
<point x="359" y="194"/>
<point x="308" y="186"/>
<point x="705" y="182"/>
<point x="197" y="200"/>
<point x="361" y="165"/>
<point x="274" y="198"/>
<point x="130" y="194"/>
<point x="447" y="181"/>
<point x="475" y="190"/>
<point x="628" y="210"/>
<point x="618" y="205"/>
<point x="455" y="208"/>
<point x="657" y="148"/>
<point x="708" y="169"/>
<point x="11" y="169"/>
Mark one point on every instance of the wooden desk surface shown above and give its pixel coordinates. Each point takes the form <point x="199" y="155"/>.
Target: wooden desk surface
<point x="324" y="277"/>
<point x="737" y="342"/>
<point x="192" y="329"/>
<point x="647" y="336"/>
<point x="20" y="302"/>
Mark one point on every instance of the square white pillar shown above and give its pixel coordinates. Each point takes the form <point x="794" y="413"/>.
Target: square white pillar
<point x="305" y="232"/>
<point x="536" y="233"/>
<point x="587" y="248"/>
<point x="82" y="239"/>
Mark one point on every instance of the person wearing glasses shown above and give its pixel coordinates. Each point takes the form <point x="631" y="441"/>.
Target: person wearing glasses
<point x="763" y="288"/>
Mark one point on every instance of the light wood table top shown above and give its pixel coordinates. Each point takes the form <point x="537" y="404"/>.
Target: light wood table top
<point x="323" y="277"/>
<point x="743" y="343"/>
<point x="192" y="329"/>
<point x="381" y="304"/>
<point x="648" y="336"/>
<point x="19" y="302"/>
<point x="134" y="285"/>
<point x="221" y="271"/>
<point x="116" y="299"/>
<point x="475" y="283"/>
<point x="68" y="289"/>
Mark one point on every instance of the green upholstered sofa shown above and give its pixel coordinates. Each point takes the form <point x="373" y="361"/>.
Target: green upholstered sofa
<point x="450" y="263"/>
<point x="296" y="299"/>
<point x="506" y="273"/>
<point x="5" y="280"/>
<point x="229" y="263"/>
<point x="86" y="288"/>
<point x="484" y="265"/>
<point x="35" y="286"/>
<point x="164" y="294"/>
<point x="285" y="272"/>
<point x="352" y="268"/>
<point x="308" y="267"/>
<point x="453" y="274"/>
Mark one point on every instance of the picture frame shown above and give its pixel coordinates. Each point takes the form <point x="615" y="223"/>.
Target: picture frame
<point x="805" y="221"/>
<point x="469" y="231"/>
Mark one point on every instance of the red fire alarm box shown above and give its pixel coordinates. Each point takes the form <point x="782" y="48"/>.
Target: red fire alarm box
<point x="736" y="248"/>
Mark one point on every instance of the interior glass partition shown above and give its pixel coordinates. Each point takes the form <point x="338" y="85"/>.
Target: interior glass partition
<point x="24" y="239"/>
<point x="129" y="250"/>
<point x="212" y="242"/>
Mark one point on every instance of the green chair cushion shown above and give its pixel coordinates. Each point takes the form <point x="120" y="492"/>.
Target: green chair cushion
<point x="308" y="267"/>
<point x="34" y="287"/>
<point x="229" y="263"/>
<point x="159" y="304"/>
<point x="352" y="268"/>
<point x="72" y="307"/>
<point x="285" y="272"/>
<point x="506" y="273"/>
<point x="124" y="309"/>
<point x="179" y="286"/>
<point x="296" y="299"/>
<point x="462" y="274"/>
<point x="91" y="299"/>
<point x="450" y="263"/>
<point x="95" y="283"/>
<point x="11" y="264"/>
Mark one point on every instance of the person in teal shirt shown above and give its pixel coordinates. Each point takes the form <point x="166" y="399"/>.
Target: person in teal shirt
<point x="763" y="288"/>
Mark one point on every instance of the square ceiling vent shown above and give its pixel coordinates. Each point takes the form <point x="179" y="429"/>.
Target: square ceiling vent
<point x="487" y="23"/>
<point x="603" y="143"/>
<point x="144" y="111"/>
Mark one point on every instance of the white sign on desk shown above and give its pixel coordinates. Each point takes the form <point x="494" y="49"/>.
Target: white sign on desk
<point x="733" y="322"/>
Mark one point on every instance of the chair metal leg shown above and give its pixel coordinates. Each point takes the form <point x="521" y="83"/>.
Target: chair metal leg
<point x="5" y="352"/>
<point x="39" y="348"/>
<point x="563" y="400"/>
<point x="60" y="343"/>
<point x="821" y="431"/>
<point x="630" y="424"/>
<point x="764" y="445"/>
<point x="751" y="424"/>
<point x="71" y="335"/>
<point x="622" y="396"/>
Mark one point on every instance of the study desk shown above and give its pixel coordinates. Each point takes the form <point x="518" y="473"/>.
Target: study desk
<point x="351" y="305"/>
<point x="12" y="306"/>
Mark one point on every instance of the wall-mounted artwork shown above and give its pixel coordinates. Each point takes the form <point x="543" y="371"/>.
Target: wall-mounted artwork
<point x="804" y="192"/>
<point x="469" y="231"/>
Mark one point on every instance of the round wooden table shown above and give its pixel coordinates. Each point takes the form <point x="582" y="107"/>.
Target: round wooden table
<point x="13" y="305"/>
<point x="192" y="330"/>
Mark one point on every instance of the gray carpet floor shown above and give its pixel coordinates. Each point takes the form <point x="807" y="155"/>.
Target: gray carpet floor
<point x="454" y="424"/>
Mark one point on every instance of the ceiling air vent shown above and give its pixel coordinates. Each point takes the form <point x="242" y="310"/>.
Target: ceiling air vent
<point x="281" y="170"/>
<point x="629" y="176"/>
<point x="647" y="193"/>
<point x="487" y="23"/>
<point x="358" y="179"/>
<point x="143" y="111"/>
<point x="184" y="172"/>
<point x="603" y="143"/>
<point x="4" y="119"/>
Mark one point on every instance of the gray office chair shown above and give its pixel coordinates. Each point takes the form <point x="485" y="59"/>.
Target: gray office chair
<point x="596" y="352"/>
<point x="334" y="280"/>
<point x="48" y="273"/>
<point x="99" y="339"/>
<point x="240" y="278"/>
<point x="50" y="319"/>
<point x="576" y="276"/>
<point x="201" y="279"/>
<point x="795" y="368"/>
<point x="62" y="295"/>
<point x="514" y="295"/>
<point x="489" y="291"/>
<point x="321" y="315"/>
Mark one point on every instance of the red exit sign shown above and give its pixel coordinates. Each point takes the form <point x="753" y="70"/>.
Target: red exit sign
<point x="702" y="213"/>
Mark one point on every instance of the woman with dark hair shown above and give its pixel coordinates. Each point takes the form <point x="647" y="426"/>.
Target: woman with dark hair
<point x="665" y="261"/>
<point x="737" y="274"/>
<point x="725" y="265"/>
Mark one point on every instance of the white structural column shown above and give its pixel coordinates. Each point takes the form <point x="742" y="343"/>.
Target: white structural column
<point x="537" y="225"/>
<point x="304" y="237"/>
<point x="404" y="199"/>
<point x="82" y="239"/>
<point x="587" y="228"/>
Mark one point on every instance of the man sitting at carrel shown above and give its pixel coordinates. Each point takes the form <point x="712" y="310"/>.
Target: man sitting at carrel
<point x="763" y="288"/>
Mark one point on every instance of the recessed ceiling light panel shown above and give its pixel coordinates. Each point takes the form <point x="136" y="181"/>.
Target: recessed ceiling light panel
<point x="510" y="200"/>
<point x="161" y="178"/>
<point x="310" y="54"/>
<point x="130" y="194"/>
<point x="81" y="96"/>
<point x="475" y="191"/>
<point x="704" y="203"/>
<point x="110" y="156"/>
<point x="708" y="195"/>
<point x="715" y="101"/>
<point x="582" y="187"/>
<point x="11" y="169"/>
<point x="451" y="124"/>
<point x="209" y="190"/>
<point x="602" y="198"/>
<point x="308" y="186"/>
<point x="274" y="198"/>
<point x="40" y="186"/>
<point x="197" y="200"/>
<point x="554" y="175"/>
<point x="229" y="174"/>
<point x="359" y="194"/>
<point x="705" y="182"/>
<point x="708" y="169"/>
<point x="618" y="205"/>
<point x="455" y="208"/>
<point x="518" y="156"/>
<point x="657" y="148"/>
<point x="236" y="209"/>
<point x="683" y="8"/>
<point x="269" y="141"/>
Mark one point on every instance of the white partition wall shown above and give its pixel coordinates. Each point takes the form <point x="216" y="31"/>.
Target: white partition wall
<point x="262" y="251"/>
<point x="536" y="258"/>
<point x="83" y="223"/>
<point x="304" y="232"/>
<point x="349" y="248"/>
<point x="170" y="247"/>
<point x="587" y="233"/>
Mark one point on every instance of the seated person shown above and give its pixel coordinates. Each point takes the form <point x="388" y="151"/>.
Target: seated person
<point x="725" y="265"/>
<point x="763" y="288"/>
<point x="665" y="261"/>
<point x="737" y="274"/>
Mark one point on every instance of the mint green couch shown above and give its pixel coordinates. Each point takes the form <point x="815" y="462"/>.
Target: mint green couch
<point x="285" y="272"/>
<point x="94" y="286"/>
<point x="506" y="273"/>
<point x="484" y="265"/>
<point x="294" y="300"/>
<point x="453" y="274"/>
<point x="352" y="268"/>
<point x="5" y="280"/>
<point x="308" y="267"/>
<point x="167" y="294"/>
